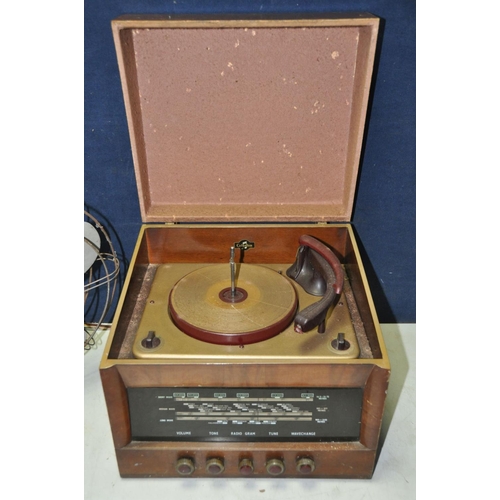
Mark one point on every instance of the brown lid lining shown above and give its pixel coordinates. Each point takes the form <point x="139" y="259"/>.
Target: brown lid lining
<point x="246" y="123"/>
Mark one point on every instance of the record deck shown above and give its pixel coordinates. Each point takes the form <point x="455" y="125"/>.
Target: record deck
<point x="246" y="342"/>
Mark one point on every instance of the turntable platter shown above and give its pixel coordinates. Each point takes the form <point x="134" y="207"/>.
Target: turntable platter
<point x="263" y="304"/>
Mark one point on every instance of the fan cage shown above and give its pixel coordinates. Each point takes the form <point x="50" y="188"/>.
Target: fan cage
<point x="102" y="275"/>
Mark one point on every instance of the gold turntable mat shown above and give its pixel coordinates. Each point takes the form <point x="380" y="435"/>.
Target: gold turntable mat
<point x="170" y="342"/>
<point x="205" y="306"/>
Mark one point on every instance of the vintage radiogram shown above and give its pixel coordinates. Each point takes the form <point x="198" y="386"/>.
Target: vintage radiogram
<point x="245" y="342"/>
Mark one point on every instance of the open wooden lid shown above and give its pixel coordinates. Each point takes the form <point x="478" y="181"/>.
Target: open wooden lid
<point x="246" y="120"/>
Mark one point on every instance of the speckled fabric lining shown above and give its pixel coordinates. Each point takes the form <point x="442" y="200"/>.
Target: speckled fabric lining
<point x="247" y="123"/>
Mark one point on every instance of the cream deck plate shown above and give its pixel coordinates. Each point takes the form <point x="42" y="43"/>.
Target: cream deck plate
<point x="175" y="344"/>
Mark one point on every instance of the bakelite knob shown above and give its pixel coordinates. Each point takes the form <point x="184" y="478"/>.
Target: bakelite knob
<point x="340" y="343"/>
<point x="151" y="341"/>
<point x="246" y="467"/>
<point x="184" y="466"/>
<point x="215" y="466"/>
<point x="305" y="465"/>
<point x="275" y="466"/>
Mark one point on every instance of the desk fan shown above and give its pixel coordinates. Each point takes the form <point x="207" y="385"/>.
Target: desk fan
<point x="101" y="269"/>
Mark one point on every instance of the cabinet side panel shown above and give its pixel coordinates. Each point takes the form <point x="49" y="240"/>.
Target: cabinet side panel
<point x="115" y="395"/>
<point x="358" y="283"/>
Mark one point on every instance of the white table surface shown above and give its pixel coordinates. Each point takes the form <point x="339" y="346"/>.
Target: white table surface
<point x="394" y="477"/>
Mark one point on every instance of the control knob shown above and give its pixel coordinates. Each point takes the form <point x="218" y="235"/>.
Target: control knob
<point x="245" y="467"/>
<point x="184" y="466"/>
<point x="214" y="466"/>
<point x="275" y="466"/>
<point x="305" y="465"/>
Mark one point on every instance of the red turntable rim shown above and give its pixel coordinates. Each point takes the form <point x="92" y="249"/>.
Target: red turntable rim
<point x="265" y="306"/>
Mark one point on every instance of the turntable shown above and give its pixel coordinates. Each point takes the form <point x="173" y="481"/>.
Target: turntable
<point x="245" y="342"/>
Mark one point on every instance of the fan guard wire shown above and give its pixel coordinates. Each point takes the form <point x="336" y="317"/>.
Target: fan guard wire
<point x="111" y="266"/>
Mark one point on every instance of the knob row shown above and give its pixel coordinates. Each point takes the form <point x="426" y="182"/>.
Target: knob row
<point x="275" y="466"/>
